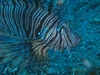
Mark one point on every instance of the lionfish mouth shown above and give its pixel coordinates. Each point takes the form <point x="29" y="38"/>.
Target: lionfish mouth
<point x="69" y="38"/>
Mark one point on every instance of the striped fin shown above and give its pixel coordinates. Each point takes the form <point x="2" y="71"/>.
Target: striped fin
<point x="18" y="17"/>
<point x="17" y="53"/>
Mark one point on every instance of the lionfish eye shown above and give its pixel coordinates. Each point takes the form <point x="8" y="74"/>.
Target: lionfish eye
<point x="38" y="33"/>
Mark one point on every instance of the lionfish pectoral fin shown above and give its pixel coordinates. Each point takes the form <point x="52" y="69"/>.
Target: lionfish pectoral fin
<point x="5" y="52"/>
<point x="39" y="47"/>
<point x="3" y="32"/>
<point x="12" y="35"/>
<point x="14" y="53"/>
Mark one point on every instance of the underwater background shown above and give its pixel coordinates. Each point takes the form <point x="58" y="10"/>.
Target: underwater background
<point x="83" y="17"/>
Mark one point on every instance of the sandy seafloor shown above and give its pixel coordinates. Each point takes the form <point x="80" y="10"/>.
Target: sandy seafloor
<point x="83" y="17"/>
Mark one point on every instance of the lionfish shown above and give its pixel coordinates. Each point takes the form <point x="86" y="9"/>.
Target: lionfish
<point x="36" y="29"/>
